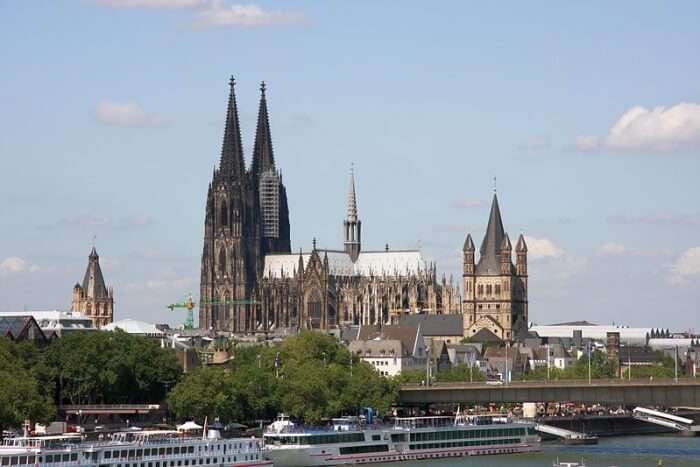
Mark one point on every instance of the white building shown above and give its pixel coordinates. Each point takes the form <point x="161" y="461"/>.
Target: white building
<point x="631" y="336"/>
<point x="391" y="349"/>
<point x="132" y="326"/>
<point x="57" y="322"/>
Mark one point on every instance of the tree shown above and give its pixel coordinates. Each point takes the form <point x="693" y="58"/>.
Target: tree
<point x="21" y="393"/>
<point x="110" y="368"/>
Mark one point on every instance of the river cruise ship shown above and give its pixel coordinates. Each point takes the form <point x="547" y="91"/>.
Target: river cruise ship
<point x="133" y="449"/>
<point x="409" y="438"/>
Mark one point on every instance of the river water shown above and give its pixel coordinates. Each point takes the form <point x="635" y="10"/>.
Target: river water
<point x="633" y="451"/>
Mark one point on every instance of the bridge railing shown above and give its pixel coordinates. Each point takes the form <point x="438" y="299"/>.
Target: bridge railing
<point x="559" y="382"/>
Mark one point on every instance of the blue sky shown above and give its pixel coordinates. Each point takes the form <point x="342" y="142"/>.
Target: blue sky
<point x="588" y="115"/>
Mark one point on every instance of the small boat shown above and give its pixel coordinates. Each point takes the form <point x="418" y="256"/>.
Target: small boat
<point x="568" y="464"/>
<point x="581" y="439"/>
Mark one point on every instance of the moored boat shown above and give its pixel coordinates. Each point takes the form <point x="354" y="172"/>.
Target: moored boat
<point x="134" y="449"/>
<point x="347" y="441"/>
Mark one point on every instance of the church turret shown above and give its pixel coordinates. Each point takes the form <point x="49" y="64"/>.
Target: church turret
<point x="521" y="256"/>
<point x="468" y="254"/>
<point x="505" y="256"/>
<point x="352" y="224"/>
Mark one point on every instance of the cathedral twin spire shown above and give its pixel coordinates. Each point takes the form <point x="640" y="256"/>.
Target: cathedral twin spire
<point x="232" y="162"/>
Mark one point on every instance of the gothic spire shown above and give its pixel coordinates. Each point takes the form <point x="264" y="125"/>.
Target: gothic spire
<point x="351" y="215"/>
<point x="232" y="149"/>
<point x="491" y="245"/>
<point x="263" y="158"/>
<point x="93" y="281"/>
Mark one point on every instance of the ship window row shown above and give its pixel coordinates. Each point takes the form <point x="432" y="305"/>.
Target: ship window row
<point x="364" y="449"/>
<point x="459" y="444"/>
<point x="53" y="458"/>
<point x="131" y="453"/>
<point x="187" y="462"/>
<point x="318" y="439"/>
<point x="466" y="434"/>
<point x="18" y="460"/>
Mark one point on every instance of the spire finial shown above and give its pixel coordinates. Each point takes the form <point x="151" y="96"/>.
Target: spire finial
<point x="494" y="185"/>
<point x="262" y="87"/>
<point x="232" y="81"/>
<point x="314" y="243"/>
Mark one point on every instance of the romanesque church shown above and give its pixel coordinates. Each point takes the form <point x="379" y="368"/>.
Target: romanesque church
<point x="495" y="289"/>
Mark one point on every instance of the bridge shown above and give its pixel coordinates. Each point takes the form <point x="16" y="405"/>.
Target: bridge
<point x="667" y="393"/>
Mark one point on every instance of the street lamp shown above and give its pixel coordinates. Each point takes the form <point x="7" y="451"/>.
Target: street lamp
<point x="589" y="362"/>
<point x="506" y="375"/>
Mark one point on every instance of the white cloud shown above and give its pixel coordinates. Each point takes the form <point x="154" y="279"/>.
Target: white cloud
<point x="152" y="3"/>
<point x="613" y="249"/>
<point x="125" y="114"/>
<point x="219" y="14"/>
<point x="587" y="143"/>
<point x="686" y="266"/>
<point x="659" y="129"/>
<point x="15" y="264"/>
<point x="538" y="248"/>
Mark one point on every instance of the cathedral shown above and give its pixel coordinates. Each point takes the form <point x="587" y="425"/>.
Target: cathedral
<point x="495" y="289"/>
<point x="92" y="297"/>
<point x="251" y="282"/>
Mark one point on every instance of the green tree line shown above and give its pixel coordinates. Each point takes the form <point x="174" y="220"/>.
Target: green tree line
<point x="81" y="368"/>
<point x="309" y="377"/>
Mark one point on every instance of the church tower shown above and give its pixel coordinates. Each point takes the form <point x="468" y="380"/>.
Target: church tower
<point x="352" y="225"/>
<point x="247" y="217"/>
<point x="92" y="297"/>
<point x="228" y="268"/>
<point x="495" y="290"/>
<point x="268" y="193"/>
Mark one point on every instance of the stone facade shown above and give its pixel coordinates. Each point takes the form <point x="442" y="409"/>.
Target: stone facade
<point x="495" y="290"/>
<point x="92" y="297"/>
<point x="326" y="288"/>
<point x="246" y="217"/>
<point x="252" y="283"/>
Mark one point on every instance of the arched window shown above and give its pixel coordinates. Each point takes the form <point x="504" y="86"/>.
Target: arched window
<point x="498" y="289"/>
<point x="224" y="214"/>
<point x="488" y="289"/>
<point x="314" y="310"/>
<point x="222" y="261"/>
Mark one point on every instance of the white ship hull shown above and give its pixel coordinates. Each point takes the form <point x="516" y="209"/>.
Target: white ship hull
<point x="313" y="457"/>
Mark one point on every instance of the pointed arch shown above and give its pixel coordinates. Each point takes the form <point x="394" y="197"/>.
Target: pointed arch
<point x="224" y="213"/>
<point x="222" y="261"/>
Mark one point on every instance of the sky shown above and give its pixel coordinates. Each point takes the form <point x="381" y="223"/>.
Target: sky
<point x="586" y="113"/>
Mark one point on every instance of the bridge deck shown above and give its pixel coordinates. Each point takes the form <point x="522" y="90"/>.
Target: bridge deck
<point x="667" y="393"/>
